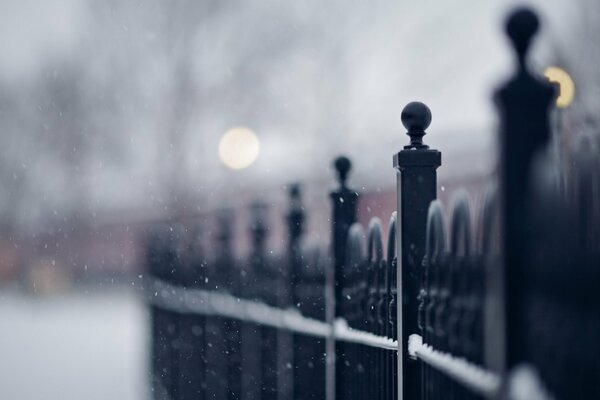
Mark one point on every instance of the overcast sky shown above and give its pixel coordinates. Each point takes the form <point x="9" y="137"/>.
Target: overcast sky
<point x="162" y="82"/>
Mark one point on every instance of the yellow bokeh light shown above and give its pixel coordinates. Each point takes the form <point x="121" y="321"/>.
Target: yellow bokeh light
<point x="567" y="86"/>
<point x="239" y="148"/>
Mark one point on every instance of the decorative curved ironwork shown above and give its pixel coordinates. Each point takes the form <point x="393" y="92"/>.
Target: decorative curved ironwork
<point x="392" y="309"/>
<point x="488" y="223"/>
<point x="429" y="302"/>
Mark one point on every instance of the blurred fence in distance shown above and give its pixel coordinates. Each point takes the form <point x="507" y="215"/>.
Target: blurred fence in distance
<point x="264" y="325"/>
<point x="496" y="306"/>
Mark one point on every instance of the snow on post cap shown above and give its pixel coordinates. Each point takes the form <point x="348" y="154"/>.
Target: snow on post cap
<point x="416" y="117"/>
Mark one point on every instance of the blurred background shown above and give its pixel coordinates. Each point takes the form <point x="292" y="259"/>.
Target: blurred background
<point x="118" y="115"/>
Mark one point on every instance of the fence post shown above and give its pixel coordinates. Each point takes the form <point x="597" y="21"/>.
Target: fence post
<point x="523" y="103"/>
<point x="192" y="326"/>
<point x="216" y="379"/>
<point x="416" y="168"/>
<point x="344" y="202"/>
<point x="266" y="291"/>
<point x="155" y="253"/>
<point x="227" y="277"/>
<point x="295" y="227"/>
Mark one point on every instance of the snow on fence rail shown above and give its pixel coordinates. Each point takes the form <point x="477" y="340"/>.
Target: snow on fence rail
<point x="523" y="382"/>
<point x="478" y="379"/>
<point x="204" y="302"/>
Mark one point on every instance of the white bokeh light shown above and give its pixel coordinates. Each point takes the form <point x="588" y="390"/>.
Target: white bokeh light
<point x="239" y="148"/>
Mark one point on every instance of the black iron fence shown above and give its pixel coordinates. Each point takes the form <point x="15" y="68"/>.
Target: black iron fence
<point x="264" y="326"/>
<point x="501" y="302"/>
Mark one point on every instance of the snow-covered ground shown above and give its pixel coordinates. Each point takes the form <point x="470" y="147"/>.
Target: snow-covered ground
<point x="84" y="345"/>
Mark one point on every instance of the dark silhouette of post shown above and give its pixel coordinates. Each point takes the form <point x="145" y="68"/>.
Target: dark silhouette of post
<point x="160" y="354"/>
<point x="295" y="226"/>
<point x="416" y="166"/>
<point x="523" y="104"/>
<point x="192" y="326"/>
<point x="266" y="291"/>
<point x="217" y="380"/>
<point x="344" y="202"/>
<point x="228" y="278"/>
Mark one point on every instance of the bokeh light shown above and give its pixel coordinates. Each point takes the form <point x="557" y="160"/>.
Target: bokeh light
<point x="567" y="86"/>
<point x="239" y="148"/>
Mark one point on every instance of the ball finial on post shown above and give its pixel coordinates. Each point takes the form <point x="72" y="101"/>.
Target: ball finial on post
<point x="295" y="191"/>
<point x="416" y="118"/>
<point x="521" y="26"/>
<point x="342" y="165"/>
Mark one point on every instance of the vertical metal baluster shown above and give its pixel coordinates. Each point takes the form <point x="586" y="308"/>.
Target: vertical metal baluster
<point x="392" y="314"/>
<point x="229" y="280"/>
<point x="460" y="247"/>
<point x="173" y="264"/>
<point x="357" y="369"/>
<point x="476" y="303"/>
<point x="491" y="290"/>
<point x="374" y="263"/>
<point x="586" y="216"/>
<point x="216" y="379"/>
<point x="183" y="340"/>
<point x="384" y="304"/>
<point x="435" y="264"/>
<point x="370" y="274"/>
<point x="432" y="298"/>
<point x="380" y="301"/>
<point x="423" y="301"/>
<point x="295" y="226"/>
<point x="369" y="289"/>
<point x="154" y="248"/>
<point x="455" y="297"/>
<point x="265" y="292"/>
<point x="250" y="333"/>
<point x="356" y="266"/>
<point x="381" y="312"/>
<point x="441" y="320"/>
<point x="192" y="325"/>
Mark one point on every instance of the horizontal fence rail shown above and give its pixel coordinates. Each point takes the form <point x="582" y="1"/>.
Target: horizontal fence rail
<point x="210" y="303"/>
<point x="476" y="378"/>
<point x="522" y="384"/>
